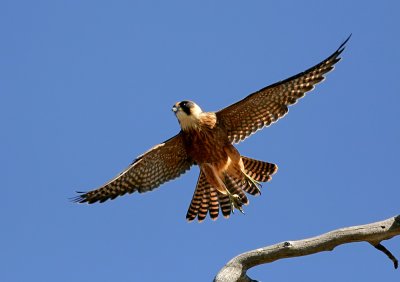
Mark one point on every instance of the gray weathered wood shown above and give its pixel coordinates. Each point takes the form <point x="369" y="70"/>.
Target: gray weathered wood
<point x="373" y="233"/>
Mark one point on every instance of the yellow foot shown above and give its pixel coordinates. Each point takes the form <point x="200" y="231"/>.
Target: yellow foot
<point x="236" y="202"/>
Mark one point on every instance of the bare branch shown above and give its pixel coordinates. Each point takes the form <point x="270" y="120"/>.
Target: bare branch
<point x="383" y="249"/>
<point x="373" y="233"/>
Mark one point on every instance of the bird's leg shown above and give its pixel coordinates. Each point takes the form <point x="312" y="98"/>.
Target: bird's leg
<point x="236" y="202"/>
<point x="256" y="183"/>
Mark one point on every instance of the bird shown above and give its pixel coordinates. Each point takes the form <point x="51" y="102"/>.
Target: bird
<point x="207" y="139"/>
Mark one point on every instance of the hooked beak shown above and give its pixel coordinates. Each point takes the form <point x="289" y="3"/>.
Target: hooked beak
<point x="175" y="109"/>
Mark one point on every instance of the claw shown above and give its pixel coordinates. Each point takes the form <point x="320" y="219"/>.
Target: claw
<point x="236" y="202"/>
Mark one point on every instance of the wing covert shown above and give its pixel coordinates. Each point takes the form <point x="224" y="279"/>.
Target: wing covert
<point x="160" y="164"/>
<point x="266" y="106"/>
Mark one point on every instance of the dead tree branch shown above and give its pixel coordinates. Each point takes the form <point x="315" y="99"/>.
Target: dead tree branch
<point x="373" y="233"/>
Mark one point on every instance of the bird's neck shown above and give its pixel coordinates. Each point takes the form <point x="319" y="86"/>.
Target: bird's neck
<point x="200" y="122"/>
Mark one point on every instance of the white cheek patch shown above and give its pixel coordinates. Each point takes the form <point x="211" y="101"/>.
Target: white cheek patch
<point x="187" y="122"/>
<point x="196" y="111"/>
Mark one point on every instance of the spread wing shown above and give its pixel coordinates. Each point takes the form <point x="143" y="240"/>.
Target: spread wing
<point x="269" y="104"/>
<point x="160" y="164"/>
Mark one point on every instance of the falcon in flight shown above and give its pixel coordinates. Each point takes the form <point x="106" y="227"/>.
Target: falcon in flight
<point x="206" y="139"/>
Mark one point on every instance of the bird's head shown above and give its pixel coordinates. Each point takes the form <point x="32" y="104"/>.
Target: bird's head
<point x="188" y="114"/>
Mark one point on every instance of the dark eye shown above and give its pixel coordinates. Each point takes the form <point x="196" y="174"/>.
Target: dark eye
<point x="185" y="104"/>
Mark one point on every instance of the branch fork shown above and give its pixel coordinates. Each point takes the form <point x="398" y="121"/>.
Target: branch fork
<point x="373" y="233"/>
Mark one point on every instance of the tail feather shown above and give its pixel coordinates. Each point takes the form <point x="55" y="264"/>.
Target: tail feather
<point x="225" y="204"/>
<point x="204" y="200"/>
<point x="207" y="199"/>
<point x="197" y="198"/>
<point x="251" y="188"/>
<point x="214" y="204"/>
<point x="259" y="170"/>
<point x="235" y="187"/>
<point x="205" y="203"/>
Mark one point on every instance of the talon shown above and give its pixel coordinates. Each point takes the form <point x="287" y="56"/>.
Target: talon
<point x="236" y="202"/>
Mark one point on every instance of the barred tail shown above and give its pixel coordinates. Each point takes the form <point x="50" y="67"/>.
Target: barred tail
<point x="207" y="200"/>
<point x="259" y="171"/>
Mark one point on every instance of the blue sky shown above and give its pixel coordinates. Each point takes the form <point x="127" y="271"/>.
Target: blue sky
<point x="86" y="86"/>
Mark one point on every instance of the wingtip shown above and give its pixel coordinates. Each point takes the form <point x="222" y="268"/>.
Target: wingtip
<point x="79" y="199"/>
<point x="343" y="45"/>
